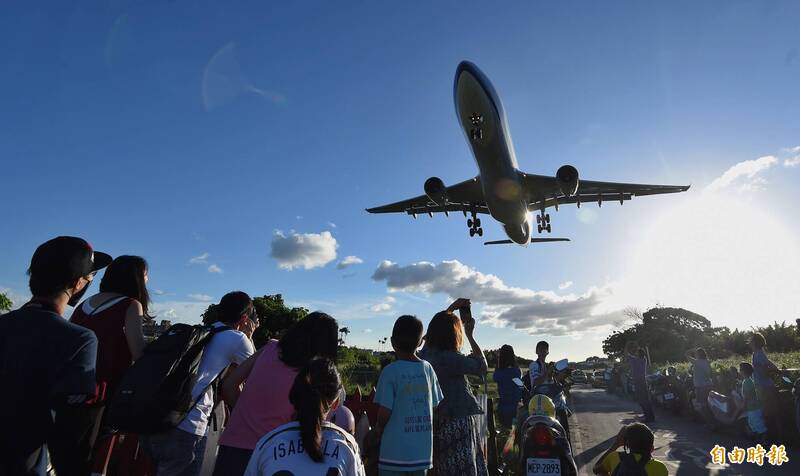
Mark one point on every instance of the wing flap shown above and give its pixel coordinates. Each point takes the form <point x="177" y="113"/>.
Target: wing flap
<point x="463" y="196"/>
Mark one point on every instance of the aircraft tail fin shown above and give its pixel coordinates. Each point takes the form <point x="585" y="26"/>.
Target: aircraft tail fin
<point x="533" y="240"/>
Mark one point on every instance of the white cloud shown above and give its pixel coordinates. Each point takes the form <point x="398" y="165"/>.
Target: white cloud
<point x="384" y="306"/>
<point x="306" y="250"/>
<point x="202" y="259"/>
<point x="745" y="172"/>
<point x="214" y="269"/>
<point x="178" y="311"/>
<point x="565" y="285"/>
<point x="538" y="312"/>
<point x="332" y="224"/>
<point x="201" y="297"/>
<point x="367" y="331"/>
<point x="158" y="292"/>
<point x="349" y="261"/>
<point x="793" y="162"/>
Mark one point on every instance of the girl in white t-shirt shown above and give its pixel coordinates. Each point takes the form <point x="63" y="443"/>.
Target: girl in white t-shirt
<point x="309" y="445"/>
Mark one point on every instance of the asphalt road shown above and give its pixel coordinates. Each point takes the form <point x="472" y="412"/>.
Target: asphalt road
<point x="681" y="444"/>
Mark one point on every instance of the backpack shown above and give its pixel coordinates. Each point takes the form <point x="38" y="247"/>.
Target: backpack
<point x="155" y="394"/>
<point x="628" y="466"/>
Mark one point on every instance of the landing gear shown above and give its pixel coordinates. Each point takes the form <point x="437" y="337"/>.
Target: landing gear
<point x="476" y="120"/>
<point x="543" y="222"/>
<point x="474" y="225"/>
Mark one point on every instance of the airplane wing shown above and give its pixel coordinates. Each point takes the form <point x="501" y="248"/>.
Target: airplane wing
<point x="461" y="197"/>
<point x="548" y="193"/>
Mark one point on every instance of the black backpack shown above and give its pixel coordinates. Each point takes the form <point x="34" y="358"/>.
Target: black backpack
<point x="628" y="466"/>
<point x="155" y="393"/>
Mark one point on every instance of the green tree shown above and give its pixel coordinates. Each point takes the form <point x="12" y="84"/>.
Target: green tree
<point x="5" y="303"/>
<point x="274" y="317"/>
<point x="344" y="331"/>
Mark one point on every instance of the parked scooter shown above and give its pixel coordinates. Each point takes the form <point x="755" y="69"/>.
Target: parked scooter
<point x="796" y="395"/>
<point x="728" y="412"/>
<point x="664" y="390"/>
<point x="787" y="405"/>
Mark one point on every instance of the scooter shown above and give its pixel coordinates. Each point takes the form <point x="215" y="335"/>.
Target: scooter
<point x="557" y="391"/>
<point x="728" y="412"/>
<point x="664" y="390"/>
<point x="544" y="448"/>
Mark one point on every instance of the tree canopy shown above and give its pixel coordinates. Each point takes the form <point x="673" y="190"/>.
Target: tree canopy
<point x="669" y="332"/>
<point x="274" y="317"/>
<point x="5" y="303"/>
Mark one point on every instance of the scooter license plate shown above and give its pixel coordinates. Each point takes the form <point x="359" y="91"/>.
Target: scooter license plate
<point x="540" y="466"/>
<point x="668" y="396"/>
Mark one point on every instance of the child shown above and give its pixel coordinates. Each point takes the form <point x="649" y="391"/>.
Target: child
<point x="309" y="445"/>
<point x="638" y="440"/>
<point x="407" y="393"/>
<point x="752" y="404"/>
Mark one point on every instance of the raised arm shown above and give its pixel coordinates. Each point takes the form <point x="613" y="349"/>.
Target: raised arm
<point x="599" y="467"/>
<point x="231" y="385"/>
<point x="469" y="329"/>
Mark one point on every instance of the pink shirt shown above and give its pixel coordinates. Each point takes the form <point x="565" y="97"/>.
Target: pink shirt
<point x="264" y="402"/>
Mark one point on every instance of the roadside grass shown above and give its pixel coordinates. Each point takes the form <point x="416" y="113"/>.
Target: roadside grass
<point x="791" y="360"/>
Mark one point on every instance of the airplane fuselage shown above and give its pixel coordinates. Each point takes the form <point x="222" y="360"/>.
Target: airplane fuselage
<point x="483" y="121"/>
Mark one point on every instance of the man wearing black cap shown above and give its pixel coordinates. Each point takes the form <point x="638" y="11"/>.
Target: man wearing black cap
<point x="46" y="363"/>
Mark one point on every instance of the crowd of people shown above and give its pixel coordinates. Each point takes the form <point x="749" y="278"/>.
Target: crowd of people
<point x="752" y="380"/>
<point x="279" y="399"/>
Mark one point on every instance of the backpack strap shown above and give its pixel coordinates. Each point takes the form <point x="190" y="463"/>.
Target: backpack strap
<point x="214" y="383"/>
<point x="110" y="302"/>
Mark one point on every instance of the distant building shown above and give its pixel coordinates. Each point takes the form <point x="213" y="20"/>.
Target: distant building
<point x="152" y="330"/>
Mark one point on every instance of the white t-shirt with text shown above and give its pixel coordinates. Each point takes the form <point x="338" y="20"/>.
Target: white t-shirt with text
<point x="281" y="452"/>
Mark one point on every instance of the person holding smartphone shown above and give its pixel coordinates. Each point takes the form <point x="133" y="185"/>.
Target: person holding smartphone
<point x="456" y="445"/>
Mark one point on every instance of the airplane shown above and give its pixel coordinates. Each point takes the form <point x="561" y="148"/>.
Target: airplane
<point x="501" y="190"/>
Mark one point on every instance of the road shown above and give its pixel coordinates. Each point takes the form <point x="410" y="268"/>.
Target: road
<point x="681" y="444"/>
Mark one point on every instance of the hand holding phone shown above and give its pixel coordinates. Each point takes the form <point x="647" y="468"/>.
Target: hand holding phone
<point x="459" y="304"/>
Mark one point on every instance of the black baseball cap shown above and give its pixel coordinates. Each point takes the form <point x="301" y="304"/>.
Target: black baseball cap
<point x="68" y="257"/>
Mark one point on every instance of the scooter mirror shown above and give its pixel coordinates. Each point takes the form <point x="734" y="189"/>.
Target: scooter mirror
<point x="518" y="381"/>
<point x="787" y="379"/>
<point x="562" y="365"/>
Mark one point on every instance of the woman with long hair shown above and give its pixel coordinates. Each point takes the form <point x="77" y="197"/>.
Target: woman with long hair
<point x="309" y="445"/>
<point x="510" y="393"/>
<point x="263" y="404"/>
<point x="115" y="316"/>
<point x="456" y="447"/>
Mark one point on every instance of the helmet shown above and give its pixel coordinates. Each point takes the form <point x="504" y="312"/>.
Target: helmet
<point x="343" y="417"/>
<point x="542" y="405"/>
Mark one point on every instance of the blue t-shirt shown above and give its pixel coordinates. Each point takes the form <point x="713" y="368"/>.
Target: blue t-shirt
<point x="411" y="391"/>
<point x="509" y="392"/>
<point x="761" y="369"/>
<point x="43" y="360"/>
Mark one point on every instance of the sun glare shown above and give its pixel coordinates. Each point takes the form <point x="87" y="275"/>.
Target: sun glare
<point x="720" y="256"/>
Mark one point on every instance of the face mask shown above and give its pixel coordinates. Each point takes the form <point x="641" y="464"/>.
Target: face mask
<point x="76" y="298"/>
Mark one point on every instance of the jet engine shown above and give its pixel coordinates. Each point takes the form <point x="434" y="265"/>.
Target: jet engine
<point x="436" y="190"/>
<point x="567" y="177"/>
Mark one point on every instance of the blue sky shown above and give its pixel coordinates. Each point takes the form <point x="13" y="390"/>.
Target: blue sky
<point x="183" y="129"/>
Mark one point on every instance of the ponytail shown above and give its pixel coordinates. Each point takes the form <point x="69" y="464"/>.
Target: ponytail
<point x="314" y="390"/>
